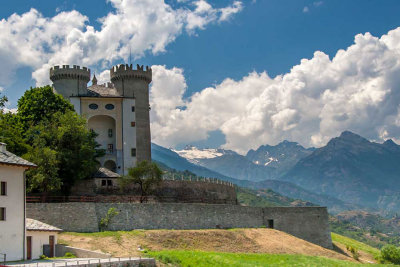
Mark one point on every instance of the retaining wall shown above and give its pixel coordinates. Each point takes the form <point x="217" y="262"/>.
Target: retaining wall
<point x="308" y="223"/>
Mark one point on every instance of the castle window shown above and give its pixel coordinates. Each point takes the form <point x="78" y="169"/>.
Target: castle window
<point x="110" y="148"/>
<point x="2" y="214"/>
<point x="3" y="189"/>
<point x="133" y="108"/>
<point x="110" y="106"/>
<point x="133" y="152"/>
<point x="93" y="106"/>
<point x="133" y="124"/>
<point x="110" y="132"/>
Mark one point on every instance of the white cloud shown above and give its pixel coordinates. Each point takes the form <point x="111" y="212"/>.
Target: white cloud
<point x="144" y="26"/>
<point x="306" y="9"/>
<point x="318" y="3"/>
<point x="358" y="90"/>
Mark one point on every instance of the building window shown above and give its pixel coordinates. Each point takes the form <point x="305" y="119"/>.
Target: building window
<point x="270" y="224"/>
<point x="2" y="214"/>
<point x="133" y="152"/>
<point x="133" y="108"/>
<point x="93" y="106"/>
<point x="3" y="189"/>
<point x="110" y="132"/>
<point x="133" y="124"/>
<point x="103" y="182"/>
<point x="110" y="106"/>
<point x="110" y="148"/>
<point x="109" y="183"/>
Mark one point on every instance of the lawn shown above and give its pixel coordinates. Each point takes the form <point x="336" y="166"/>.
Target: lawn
<point x="211" y="259"/>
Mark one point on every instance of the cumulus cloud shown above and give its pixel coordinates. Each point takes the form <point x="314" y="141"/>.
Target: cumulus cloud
<point x="358" y="90"/>
<point x="136" y="26"/>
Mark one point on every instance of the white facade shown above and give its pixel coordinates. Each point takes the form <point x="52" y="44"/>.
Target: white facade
<point x="12" y="229"/>
<point x="38" y="239"/>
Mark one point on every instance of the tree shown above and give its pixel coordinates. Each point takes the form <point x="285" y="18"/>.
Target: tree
<point x="391" y="254"/>
<point x="40" y="103"/>
<point x="3" y="101"/>
<point x="65" y="151"/>
<point x="146" y="174"/>
<point x="11" y="133"/>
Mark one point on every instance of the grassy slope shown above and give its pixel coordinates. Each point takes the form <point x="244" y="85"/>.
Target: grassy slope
<point x="210" y="259"/>
<point x="356" y="244"/>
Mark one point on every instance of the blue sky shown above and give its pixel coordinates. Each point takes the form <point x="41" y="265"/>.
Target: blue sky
<point x="271" y="36"/>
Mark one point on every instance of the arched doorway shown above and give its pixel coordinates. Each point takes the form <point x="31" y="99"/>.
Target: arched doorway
<point x="110" y="164"/>
<point x="104" y="126"/>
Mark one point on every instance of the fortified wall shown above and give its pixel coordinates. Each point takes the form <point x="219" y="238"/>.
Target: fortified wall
<point x="308" y="223"/>
<point x="205" y="190"/>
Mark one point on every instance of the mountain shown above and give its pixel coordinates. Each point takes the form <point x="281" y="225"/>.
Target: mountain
<point x="267" y="162"/>
<point x="282" y="157"/>
<point x="352" y="169"/>
<point x="173" y="160"/>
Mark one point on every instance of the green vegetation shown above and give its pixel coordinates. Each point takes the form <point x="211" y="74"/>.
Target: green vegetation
<point x="351" y="243"/>
<point x="146" y="174"/>
<point x="390" y="254"/>
<point x="205" y="259"/>
<point x="104" y="222"/>
<point x="47" y="132"/>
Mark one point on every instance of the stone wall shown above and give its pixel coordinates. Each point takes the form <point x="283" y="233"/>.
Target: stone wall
<point x="216" y="192"/>
<point x="308" y="223"/>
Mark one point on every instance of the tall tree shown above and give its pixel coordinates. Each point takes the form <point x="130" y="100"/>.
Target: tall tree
<point x="40" y="103"/>
<point x="146" y="174"/>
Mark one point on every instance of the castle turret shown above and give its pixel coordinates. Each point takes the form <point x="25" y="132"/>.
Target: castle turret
<point x="132" y="83"/>
<point x="69" y="81"/>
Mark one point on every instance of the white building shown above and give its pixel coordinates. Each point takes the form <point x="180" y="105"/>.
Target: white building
<point x="41" y="239"/>
<point x="12" y="204"/>
<point x="117" y="111"/>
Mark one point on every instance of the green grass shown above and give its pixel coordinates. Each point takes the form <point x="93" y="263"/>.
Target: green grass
<point x="356" y="244"/>
<point x="211" y="259"/>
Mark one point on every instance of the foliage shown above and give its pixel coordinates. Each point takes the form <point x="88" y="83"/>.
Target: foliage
<point x="64" y="150"/>
<point x="354" y="252"/>
<point x="47" y="132"/>
<point x="40" y="103"/>
<point x="105" y="222"/>
<point x="210" y="259"/>
<point x="146" y="174"/>
<point x="391" y="254"/>
<point x="43" y="257"/>
<point x="3" y="101"/>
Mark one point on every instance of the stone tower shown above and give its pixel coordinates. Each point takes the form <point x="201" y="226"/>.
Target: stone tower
<point x="70" y="81"/>
<point x="135" y="83"/>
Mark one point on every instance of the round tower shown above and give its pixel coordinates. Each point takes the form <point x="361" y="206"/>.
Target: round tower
<point x="69" y="81"/>
<point x="134" y="83"/>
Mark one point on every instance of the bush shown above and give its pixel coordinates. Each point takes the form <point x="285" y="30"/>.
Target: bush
<point x="43" y="257"/>
<point x="104" y="222"/>
<point x="69" y="255"/>
<point x="390" y="254"/>
<point x="353" y="252"/>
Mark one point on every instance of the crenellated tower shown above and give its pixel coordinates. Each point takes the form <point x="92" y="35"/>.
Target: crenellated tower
<point x="134" y="83"/>
<point x="70" y="81"/>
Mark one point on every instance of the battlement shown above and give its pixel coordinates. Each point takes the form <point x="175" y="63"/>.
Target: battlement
<point x="68" y="72"/>
<point x="128" y="72"/>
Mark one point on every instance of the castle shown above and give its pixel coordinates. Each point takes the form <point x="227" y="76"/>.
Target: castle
<point x="117" y="111"/>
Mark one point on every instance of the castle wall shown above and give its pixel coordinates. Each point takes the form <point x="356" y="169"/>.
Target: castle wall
<point x="308" y="223"/>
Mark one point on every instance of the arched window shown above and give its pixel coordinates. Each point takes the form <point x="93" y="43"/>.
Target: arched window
<point x="110" y="106"/>
<point x="93" y="106"/>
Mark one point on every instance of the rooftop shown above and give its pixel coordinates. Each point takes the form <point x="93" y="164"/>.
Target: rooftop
<point x="34" y="225"/>
<point x="98" y="90"/>
<point x="9" y="158"/>
<point x="105" y="173"/>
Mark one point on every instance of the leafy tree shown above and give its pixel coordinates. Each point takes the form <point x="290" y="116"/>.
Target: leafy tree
<point x="11" y="133"/>
<point x="64" y="141"/>
<point x="3" y="101"/>
<point x="40" y="103"/>
<point x="390" y="253"/>
<point x="146" y="174"/>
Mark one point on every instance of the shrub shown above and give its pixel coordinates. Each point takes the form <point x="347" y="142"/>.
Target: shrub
<point x="69" y="255"/>
<point x="353" y="251"/>
<point x="104" y="222"/>
<point x="43" y="257"/>
<point x="390" y="253"/>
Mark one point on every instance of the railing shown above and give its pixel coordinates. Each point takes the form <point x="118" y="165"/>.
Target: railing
<point x="123" y="199"/>
<point x="197" y="179"/>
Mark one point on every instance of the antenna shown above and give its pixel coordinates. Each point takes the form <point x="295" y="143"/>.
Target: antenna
<point x="130" y="55"/>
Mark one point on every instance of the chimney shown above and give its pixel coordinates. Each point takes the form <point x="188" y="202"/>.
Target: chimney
<point x="3" y="148"/>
